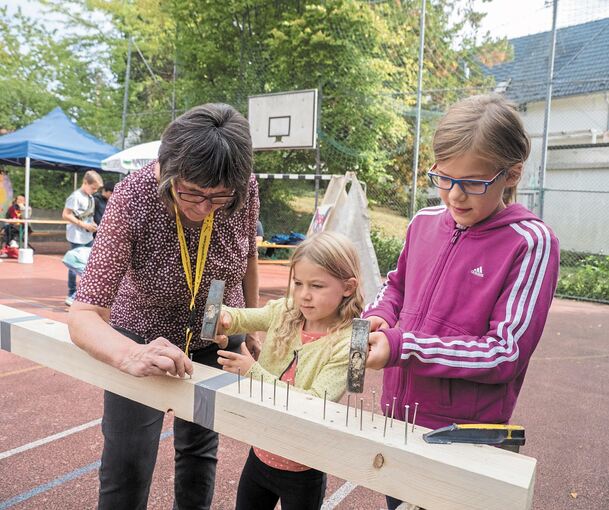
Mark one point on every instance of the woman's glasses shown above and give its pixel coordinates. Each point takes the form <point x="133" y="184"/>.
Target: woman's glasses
<point x="220" y="199"/>
<point x="468" y="186"/>
<point x="197" y="198"/>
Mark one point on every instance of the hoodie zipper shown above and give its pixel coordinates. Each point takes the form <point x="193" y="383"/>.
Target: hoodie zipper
<point x="438" y="270"/>
<point x="456" y="235"/>
<point x="431" y="287"/>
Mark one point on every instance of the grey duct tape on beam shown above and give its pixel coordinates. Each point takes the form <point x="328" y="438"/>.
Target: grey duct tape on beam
<point x="5" y="329"/>
<point x="205" y="398"/>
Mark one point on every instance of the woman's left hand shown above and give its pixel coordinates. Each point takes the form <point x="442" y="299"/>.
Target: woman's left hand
<point x="236" y="362"/>
<point x="253" y="344"/>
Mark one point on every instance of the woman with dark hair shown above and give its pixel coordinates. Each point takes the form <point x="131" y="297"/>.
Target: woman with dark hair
<point x="168" y="230"/>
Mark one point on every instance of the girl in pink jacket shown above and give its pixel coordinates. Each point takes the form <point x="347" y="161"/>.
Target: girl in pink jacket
<point x="458" y="319"/>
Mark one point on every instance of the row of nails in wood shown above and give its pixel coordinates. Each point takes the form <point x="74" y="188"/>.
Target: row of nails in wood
<point x="361" y="405"/>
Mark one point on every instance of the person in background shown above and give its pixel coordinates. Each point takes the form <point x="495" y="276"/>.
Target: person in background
<point x="101" y="200"/>
<point x="14" y="212"/>
<point x="259" y="232"/>
<point x="79" y="212"/>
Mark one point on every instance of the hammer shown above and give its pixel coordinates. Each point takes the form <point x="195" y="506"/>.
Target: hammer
<point x="357" y="355"/>
<point x="213" y="307"/>
<point x="211" y="317"/>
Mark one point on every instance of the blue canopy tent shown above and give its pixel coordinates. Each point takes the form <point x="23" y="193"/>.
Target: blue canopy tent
<point x="53" y="142"/>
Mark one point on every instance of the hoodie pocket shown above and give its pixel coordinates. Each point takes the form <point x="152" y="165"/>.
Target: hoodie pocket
<point x="461" y="397"/>
<point x="445" y="393"/>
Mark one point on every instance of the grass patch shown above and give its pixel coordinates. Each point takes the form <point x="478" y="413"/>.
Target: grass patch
<point x="382" y="219"/>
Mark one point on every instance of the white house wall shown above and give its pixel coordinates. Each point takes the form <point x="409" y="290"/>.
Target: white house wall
<point x="580" y="219"/>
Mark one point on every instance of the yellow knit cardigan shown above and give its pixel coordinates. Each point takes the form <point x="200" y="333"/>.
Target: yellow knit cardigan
<point x="322" y="364"/>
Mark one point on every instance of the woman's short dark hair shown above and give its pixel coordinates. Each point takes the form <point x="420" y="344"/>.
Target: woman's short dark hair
<point x="209" y="146"/>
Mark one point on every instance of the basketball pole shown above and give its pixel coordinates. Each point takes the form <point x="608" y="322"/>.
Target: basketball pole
<point x="317" y="148"/>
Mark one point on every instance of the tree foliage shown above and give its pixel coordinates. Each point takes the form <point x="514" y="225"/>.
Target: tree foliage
<point x="361" y="55"/>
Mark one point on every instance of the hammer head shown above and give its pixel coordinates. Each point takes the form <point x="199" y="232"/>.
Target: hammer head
<point x="213" y="306"/>
<point x="357" y="356"/>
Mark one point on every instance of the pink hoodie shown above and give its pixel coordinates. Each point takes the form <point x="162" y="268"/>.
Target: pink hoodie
<point x="466" y="309"/>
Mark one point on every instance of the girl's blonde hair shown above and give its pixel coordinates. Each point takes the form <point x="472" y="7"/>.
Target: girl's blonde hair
<point x="337" y="255"/>
<point x="488" y="126"/>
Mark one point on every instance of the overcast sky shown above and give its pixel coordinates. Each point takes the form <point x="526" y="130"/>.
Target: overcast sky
<point x="510" y="18"/>
<point x="514" y="18"/>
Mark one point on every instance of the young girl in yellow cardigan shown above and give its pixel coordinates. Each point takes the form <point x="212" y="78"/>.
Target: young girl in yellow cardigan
<point x="307" y="344"/>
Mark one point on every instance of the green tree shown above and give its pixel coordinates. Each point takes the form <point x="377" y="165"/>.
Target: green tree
<point x="363" y="56"/>
<point x="40" y="69"/>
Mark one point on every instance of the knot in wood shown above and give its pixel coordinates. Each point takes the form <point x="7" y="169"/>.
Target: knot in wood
<point x="379" y="460"/>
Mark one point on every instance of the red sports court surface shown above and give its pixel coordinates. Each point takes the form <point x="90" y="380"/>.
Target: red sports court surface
<point x="50" y="438"/>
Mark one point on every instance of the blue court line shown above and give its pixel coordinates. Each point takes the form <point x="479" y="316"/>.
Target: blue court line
<point x="59" y="481"/>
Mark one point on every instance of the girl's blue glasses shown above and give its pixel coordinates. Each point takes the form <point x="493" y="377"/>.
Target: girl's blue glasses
<point x="468" y="186"/>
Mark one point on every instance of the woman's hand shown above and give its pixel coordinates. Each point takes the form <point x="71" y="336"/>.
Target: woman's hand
<point x="224" y="323"/>
<point x="235" y="362"/>
<point x="253" y="344"/>
<point x="378" y="351"/>
<point x="377" y="323"/>
<point x="159" y="357"/>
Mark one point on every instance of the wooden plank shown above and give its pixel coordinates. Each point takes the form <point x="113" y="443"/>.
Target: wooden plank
<point x="436" y="477"/>
<point x="35" y="222"/>
<point x="263" y="262"/>
<point x="266" y="244"/>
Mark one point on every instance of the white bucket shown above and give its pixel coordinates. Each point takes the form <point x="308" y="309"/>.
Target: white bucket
<point x="26" y="256"/>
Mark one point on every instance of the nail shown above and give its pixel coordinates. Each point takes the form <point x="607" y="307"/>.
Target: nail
<point x="274" y="391"/>
<point x="361" y="413"/>
<point x="325" y="399"/>
<point x="251" y="384"/>
<point x="238" y="380"/>
<point x="190" y="356"/>
<point x="347" y="415"/>
<point x="261" y="387"/>
<point x="373" y="403"/>
<point x="406" y="409"/>
<point x="386" y="416"/>
<point x="287" y="395"/>
<point x="414" y="416"/>
<point x="393" y="410"/>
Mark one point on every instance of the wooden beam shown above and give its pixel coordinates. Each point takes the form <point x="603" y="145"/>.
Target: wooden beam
<point x="436" y="477"/>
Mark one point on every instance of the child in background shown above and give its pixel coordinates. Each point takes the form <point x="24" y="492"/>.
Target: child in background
<point x="459" y="318"/>
<point x="307" y="344"/>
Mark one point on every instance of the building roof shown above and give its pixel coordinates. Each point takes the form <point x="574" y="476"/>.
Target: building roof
<point x="581" y="64"/>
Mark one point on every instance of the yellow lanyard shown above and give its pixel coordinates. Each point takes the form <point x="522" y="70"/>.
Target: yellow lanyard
<point x="204" y="240"/>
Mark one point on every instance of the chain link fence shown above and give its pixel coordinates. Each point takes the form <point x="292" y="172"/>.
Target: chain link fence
<point x="575" y="193"/>
<point x="575" y="198"/>
<point x="362" y="56"/>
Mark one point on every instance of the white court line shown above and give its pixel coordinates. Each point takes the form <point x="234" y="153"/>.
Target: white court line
<point x="343" y="491"/>
<point x="49" y="439"/>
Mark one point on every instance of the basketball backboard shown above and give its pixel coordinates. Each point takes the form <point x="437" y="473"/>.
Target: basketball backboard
<point x="284" y="120"/>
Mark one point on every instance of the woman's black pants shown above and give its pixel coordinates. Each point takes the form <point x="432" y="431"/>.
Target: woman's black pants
<point x="131" y="439"/>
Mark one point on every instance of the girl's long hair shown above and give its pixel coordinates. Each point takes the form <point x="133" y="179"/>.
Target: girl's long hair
<point x="337" y="255"/>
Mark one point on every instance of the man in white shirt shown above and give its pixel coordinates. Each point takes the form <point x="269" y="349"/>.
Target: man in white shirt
<point x="79" y="211"/>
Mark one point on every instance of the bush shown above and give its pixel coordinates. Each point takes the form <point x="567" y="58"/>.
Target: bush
<point x="569" y="258"/>
<point x="387" y="250"/>
<point x="588" y="279"/>
<point x="277" y="211"/>
<point x="48" y="188"/>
